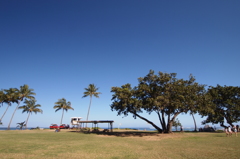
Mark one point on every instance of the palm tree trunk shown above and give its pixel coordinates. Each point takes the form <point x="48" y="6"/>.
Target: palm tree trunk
<point x="89" y="108"/>
<point x="27" y="120"/>
<point x="62" y="117"/>
<point x="5" y="112"/>
<point x="12" y="116"/>
<point x="194" y="122"/>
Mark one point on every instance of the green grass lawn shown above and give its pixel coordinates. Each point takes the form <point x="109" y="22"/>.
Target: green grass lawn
<point x="133" y="145"/>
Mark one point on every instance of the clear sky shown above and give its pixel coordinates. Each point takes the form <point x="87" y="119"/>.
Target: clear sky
<point x="59" y="47"/>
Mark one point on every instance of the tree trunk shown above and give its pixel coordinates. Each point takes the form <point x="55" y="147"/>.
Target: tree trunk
<point x="169" y="125"/>
<point x="62" y="117"/>
<point x="222" y="125"/>
<point x="89" y="108"/>
<point x="164" y="122"/>
<point x="27" y="120"/>
<point x="228" y="119"/>
<point x="155" y="126"/>
<point x="5" y="112"/>
<point x="159" y="117"/>
<point x="194" y="122"/>
<point x="12" y="116"/>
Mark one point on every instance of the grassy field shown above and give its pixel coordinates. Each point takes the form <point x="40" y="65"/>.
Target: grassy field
<point x="119" y="145"/>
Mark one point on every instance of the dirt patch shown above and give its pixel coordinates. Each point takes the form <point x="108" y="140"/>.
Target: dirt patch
<point x="143" y="135"/>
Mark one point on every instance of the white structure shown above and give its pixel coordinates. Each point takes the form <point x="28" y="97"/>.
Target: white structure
<point x="75" y="120"/>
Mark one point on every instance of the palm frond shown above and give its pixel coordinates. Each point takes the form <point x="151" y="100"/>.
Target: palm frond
<point x="91" y="91"/>
<point x="30" y="106"/>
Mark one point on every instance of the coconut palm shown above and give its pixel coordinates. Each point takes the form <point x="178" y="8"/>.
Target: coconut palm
<point x="64" y="105"/>
<point x="2" y="96"/>
<point x="91" y="91"/>
<point x="9" y="96"/>
<point x="30" y="107"/>
<point x="24" y="92"/>
<point x="21" y="125"/>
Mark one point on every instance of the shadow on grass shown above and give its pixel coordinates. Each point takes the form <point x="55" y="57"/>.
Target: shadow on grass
<point x="128" y="134"/>
<point x="140" y="133"/>
<point x="122" y="133"/>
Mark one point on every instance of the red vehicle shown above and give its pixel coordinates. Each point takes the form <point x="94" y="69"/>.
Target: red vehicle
<point x="64" y="126"/>
<point x="55" y="126"/>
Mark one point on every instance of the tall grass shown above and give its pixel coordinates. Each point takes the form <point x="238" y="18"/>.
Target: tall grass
<point x="66" y="144"/>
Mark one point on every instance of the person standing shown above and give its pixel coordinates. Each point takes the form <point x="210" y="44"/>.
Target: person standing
<point x="235" y="130"/>
<point x="226" y="131"/>
<point x="229" y="131"/>
<point x="181" y="128"/>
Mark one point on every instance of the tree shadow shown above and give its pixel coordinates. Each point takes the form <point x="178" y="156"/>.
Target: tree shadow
<point x="129" y="134"/>
<point x="121" y="134"/>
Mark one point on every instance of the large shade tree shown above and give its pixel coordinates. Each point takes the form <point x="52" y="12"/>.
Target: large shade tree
<point x="30" y="107"/>
<point x="23" y="93"/>
<point x="163" y="94"/>
<point x="226" y="101"/>
<point x="91" y="91"/>
<point x="64" y="105"/>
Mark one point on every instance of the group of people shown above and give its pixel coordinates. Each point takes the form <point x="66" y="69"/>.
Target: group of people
<point x="230" y="130"/>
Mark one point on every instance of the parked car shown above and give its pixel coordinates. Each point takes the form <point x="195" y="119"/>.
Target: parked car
<point x="64" y="126"/>
<point x="54" y="126"/>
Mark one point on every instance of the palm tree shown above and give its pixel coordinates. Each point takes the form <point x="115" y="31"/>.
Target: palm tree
<point x="21" y="125"/>
<point x="2" y="96"/>
<point x="10" y="96"/>
<point x="195" y="124"/>
<point x="91" y="91"/>
<point x="64" y="105"/>
<point x="30" y="107"/>
<point x="24" y="92"/>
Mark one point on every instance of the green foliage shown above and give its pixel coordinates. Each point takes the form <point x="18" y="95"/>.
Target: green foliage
<point x="226" y="100"/>
<point x="176" y="123"/>
<point x="2" y="97"/>
<point x="163" y="94"/>
<point x="64" y="105"/>
<point x="26" y="92"/>
<point x="13" y="95"/>
<point x="91" y="91"/>
<point x="30" y="107"/>
<point x="21" y="125"/>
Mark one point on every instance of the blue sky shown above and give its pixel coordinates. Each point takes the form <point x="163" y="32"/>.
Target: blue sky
<point x="59" y="47"/>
